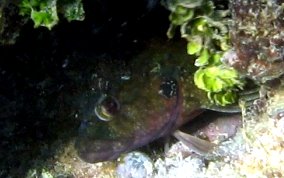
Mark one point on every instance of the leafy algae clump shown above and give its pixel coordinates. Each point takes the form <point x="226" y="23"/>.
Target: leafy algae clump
<point x="218" y="81"/>
<point x="45" y="12"/>
<point x="205" y="27"/>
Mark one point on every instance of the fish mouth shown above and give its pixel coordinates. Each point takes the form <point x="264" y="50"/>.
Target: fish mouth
<point x="104" y="149"/>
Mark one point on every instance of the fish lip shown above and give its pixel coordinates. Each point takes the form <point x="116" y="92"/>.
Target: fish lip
<point x="110" y="152"/>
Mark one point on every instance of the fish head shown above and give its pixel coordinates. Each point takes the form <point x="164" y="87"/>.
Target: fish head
<point x="136" y="114"/>
<point x="136" y="110"/>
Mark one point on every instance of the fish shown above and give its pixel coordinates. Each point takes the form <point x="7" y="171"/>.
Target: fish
<point x="197" y="145"/>
<point x="155" y="98"/>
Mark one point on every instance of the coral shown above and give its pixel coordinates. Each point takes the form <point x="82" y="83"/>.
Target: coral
<point x="264" y="140"/>
<point x="257" y="38"/>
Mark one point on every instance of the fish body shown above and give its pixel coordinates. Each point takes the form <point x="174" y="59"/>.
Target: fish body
<point x="156" y="99"/>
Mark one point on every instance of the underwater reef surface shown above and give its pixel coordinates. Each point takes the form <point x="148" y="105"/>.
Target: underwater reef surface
<point x="73" y="91"/>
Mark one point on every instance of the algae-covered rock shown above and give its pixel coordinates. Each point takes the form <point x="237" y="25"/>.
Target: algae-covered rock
<point x="10" y="21"/>
<point x="16" y="13"/>
<point x="257" y="38"/>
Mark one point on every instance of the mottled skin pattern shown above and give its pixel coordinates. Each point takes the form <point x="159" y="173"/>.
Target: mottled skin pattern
<point x="257" y="38"/>
<point x="144" y="114"/>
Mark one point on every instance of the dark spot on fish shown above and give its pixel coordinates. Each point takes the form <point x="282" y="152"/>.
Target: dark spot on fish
<point x="168" y="88"/>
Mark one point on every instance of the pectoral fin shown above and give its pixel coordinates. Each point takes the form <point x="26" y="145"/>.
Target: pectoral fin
<point x="197" y="145"/>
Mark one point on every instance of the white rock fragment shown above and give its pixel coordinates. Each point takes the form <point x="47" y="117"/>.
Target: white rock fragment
<point x="135" y="165"/>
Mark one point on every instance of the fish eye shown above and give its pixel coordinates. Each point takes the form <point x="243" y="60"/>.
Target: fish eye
<point x="107" y="107"/>
<point x="168" y="88"/>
